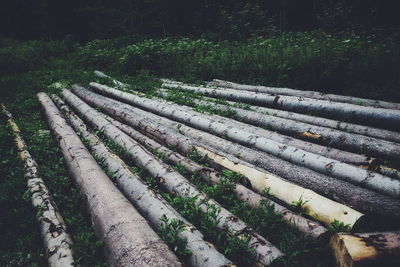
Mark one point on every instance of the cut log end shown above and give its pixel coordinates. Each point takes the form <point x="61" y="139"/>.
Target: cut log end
<point x="369" y="249"/>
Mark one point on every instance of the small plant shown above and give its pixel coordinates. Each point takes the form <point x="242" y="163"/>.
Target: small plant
<point x="337" y="226"/>
<point x="169" y="231"/>
<point x="298" y="206"/>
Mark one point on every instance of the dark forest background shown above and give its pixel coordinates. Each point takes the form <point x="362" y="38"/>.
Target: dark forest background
<point x="94" y="19"/>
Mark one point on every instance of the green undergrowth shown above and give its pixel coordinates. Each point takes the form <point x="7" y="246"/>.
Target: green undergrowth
<point x="21" y="245"/>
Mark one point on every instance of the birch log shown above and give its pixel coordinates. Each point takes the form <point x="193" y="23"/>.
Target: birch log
<point x="128" y="239"/>
<point x="175" y="183"/>
<point x="148" y="202"/>
<point x="385" y="209"/>
<point x="386" y="118"/>
<point x="308" y="94"/>
<point x="367" y="249"/>
<point x="310" y="228"/>
<point x="115" y="82"/>
<point x="287" y="192"/>
<point x="57" y="241"/>
<point x="374" y="181"/>
<point x="316" y="134"/>
<point x="329" y="152"/>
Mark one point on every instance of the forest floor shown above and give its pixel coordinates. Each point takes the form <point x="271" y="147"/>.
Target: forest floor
<point x="360" y="65"/>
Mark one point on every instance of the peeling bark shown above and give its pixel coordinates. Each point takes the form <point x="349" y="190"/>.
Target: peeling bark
<point x="148" y="202"/>
<point x="175" y="183"/>
<point x="374" y="181"/>
<point x="366" y="249"/>
<point x="129" y="240"/>
<point x="308" y="94"/>
<point x="57" y="241"/>
<point x="386" y="118"/>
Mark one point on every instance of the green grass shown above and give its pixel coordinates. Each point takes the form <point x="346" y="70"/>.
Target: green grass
<point x="364" y="65"/>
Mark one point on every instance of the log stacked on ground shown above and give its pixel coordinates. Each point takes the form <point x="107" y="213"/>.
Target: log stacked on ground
<point x="362" y="199"/>
<point x="308" y="227"/>
<point x="380" y="183"/>
<point x="308" y="94"/>
<point x="129" y="240"/>
<point x="316" y="134"/>
<point x="174" y="183"/>
<point x="366" y="249"/>
<point x="53" y="229"/>
<point x="148" y="202"/>
<point x="386" y="118"/>
<point x="283" y="190"/>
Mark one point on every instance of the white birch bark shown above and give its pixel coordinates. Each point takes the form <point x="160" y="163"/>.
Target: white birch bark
<point x="386" y="118"/>
<point x="129" y="240"/>
<point x="148" y="202"/>
<point x="374" y="181"/>
<point x="281" y="189"/>
<point x="308" y="94"/>
<point x="53" y="230"/>
<point x="175" y="183"/>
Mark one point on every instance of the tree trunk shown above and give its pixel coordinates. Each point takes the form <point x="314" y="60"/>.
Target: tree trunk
<point x="53" y="229"/>
<point x="326" y="213"/>
<point x="367" y="249"/>
<point x="129" y="240"/>
<point x="323" y="122"/>
<point x="175" y="183"/>
<point x="377" y="182"/>
<point x="343" y="156"/>
<point x="148" y="202"/>
<point x="308" y="94"/>
<point x="316" y="134"/>
<point x="386" y="118"/>
<point x="115" y="82"/>
<point x="309" y="228"/>
<point x="383" y="209"/>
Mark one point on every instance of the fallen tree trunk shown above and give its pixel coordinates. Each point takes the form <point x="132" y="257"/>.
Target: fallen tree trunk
<point x="308" y="94"/>
<point x="115" y="82"/>
<point x="148" y="202"/>
<point x="377" y="182"/>
<point x="323" y="122"/>
<point x="343" y="156"/>
<point x="128" y="239"/>
<point x="287" y="192"/>
<point x="386" y="118"/>
<point x="57" y="241"/>
<point x="382" y="208"/>
<point x="366" y="249"/>
<point x="175" y="183"/>
<point x="309" y="228"/>
<point x="316" y="134"/>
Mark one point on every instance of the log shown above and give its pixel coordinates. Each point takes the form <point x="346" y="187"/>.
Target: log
<point x="149" y="203"/>
<point x="366" y="249"/>
<point x="129" y="240"/>
<point x="316" y="134"/>
<point x="323" y="122"/>
<point x="374" y="181"/>
<point x="115" y="82"/>
<point x="310" y="228"/>
<point x="53" y="230"/>
<point x="175" y="183"/>
<point x="308" y="94"/>
<point x="386" y="118"/>
<point x="382" y="208"/>
<point x="327" y="213"/>
<point x="343" y="156"/>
